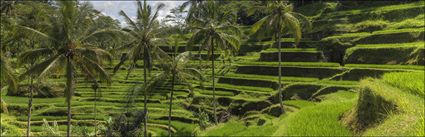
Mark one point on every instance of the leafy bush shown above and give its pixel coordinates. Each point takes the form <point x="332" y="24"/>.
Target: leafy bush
<point x="50" y="131"/>
<point x="203" y="118"/>
<point x="81" y="131"/>
<point x="127" y="124"/>
<point x="7" y="129"/>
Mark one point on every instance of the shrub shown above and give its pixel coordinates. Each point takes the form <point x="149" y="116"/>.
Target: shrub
<point x="50" y="131"/>
<point x="203" y="118"/>
<point x="7" y="129"/>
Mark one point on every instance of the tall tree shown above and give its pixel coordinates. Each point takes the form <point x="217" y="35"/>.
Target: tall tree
<point x="34" y="15"/>
<point x="214" y="32"/>
<point x="280" y="20"/>
<point x="70" y="47"/>
<point x="145" y="33"/>
<point x="177" y="70"/>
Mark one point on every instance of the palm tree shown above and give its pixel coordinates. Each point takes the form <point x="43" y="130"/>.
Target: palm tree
<point x="177" y="70"/>
<point x="214" y="31"/>
<point x="6" y="78"/>
<point x="70" y="45"/>
<point x="281" y="19"/>
<point x="30" y="95"/>
<point x="145" y="32"/>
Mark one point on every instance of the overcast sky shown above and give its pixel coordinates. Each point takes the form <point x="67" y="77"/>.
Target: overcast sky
<point x="111" y="8"/>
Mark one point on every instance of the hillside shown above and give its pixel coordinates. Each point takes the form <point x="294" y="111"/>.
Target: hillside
<point x="352" y="58"/>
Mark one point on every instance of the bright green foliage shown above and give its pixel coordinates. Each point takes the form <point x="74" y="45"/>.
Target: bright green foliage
<point x="317" y="96"/>
<point x="7" y="128"/>
<point x="215" y="31"/>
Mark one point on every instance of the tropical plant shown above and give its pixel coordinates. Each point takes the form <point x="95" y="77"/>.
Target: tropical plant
<point x="203" y="118"/>
<point x="6" y="78"/>
<point x="145" y="32"/>
<point x="178" y="71"/>
<point x="50" y="130"/>
<point x="214" y="31"/>
<point x="124" y="125"/>
<point x="280" y="19"/>
<point x="70" y="46"/>
<point x="193" y="11"/>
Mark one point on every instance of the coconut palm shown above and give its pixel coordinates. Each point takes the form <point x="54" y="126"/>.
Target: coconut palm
<point x="145" y="32"/>
<point x="214" y="32"/>
<point x="30" y="97"/>
<point x="70" y="46"/>
<point x="194" y="11"/>
<point x="178" y="71"/>
<point x="6" y="78"/>
<point x="280" y="19"/>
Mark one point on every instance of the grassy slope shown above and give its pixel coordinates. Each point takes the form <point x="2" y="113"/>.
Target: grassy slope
<point x="310" y="116"/>
<point x="406" y="119"/>
<point x="321" y="119"/>
<point x="412" y="82"/>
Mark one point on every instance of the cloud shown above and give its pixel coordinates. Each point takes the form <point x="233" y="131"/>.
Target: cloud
<point x="111" y="8"/>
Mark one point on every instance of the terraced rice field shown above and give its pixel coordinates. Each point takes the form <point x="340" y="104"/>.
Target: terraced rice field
<point x="319" y="85"/>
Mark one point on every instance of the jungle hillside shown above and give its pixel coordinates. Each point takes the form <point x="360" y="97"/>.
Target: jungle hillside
<point x="212" y="68"/>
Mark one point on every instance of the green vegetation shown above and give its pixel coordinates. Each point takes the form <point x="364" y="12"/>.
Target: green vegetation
<point x="383" y="110"/>
<point x="276" y="68"/>
<point x="410" y="81"/>
<point x="320" y="119"/>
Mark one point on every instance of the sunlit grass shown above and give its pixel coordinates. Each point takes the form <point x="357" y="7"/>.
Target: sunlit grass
<point x="412" y="82"/>
<point x="321" y="119"/>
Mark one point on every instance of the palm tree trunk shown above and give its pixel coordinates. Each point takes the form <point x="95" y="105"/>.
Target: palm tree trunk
<point x="95" y="87"/>
<point x="213" y="82"/>
<point x="29" y="108"/>
<point x="280" y="70"/>
<point x="200" y="60"/>
<point x="129" y="71"/>
<point x="171" y="104"/>
<point x="145" y="100"/>
<point x="69" y="92"/>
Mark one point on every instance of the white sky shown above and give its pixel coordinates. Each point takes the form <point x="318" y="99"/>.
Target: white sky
<point x="111" y="8"/>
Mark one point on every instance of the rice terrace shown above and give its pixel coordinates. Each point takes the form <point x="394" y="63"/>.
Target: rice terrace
<point x="212" y="68"/>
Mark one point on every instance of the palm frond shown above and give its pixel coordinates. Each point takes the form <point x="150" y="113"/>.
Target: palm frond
<point x="108" y="32"/>
<point x="41" y="69"/>
<point x="305" y="22"/>
<point x="128" y="20"/>
<point x="294" y="26"/>
<point x="36" y="33"/>
<point x="98" y="70"/>
<point x="31" y="55"/>
<point x="259" y="24"/>
<point x="123" y="58"/>
<point x="155" y="15"/>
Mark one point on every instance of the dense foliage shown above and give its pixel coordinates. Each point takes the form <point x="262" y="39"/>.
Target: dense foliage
<point x="212" y="68"/>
